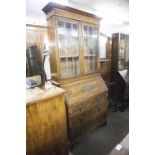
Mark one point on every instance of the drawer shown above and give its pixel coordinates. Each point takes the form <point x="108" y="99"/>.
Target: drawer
<point x="87" y="126"/>
<point x="83" y="118"/>
<point x="85" y="106"/>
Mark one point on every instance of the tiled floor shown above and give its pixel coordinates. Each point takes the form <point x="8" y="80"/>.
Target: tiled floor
<point x="101" y="140"/>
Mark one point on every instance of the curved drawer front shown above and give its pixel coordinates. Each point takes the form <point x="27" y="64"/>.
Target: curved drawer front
<point x="87" y="126"/>
<point x="87" y="115"/>
<point x="85" y="106"/>
<point x="93" y="114"/>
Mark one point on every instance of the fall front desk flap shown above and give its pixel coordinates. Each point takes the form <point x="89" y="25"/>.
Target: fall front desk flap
<point x="81" y="90"/>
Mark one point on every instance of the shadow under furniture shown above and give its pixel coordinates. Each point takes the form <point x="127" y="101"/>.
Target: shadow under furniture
<point x="112" y="95"/>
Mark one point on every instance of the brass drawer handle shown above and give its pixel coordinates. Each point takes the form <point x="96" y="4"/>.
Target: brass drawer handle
<point x="98" y="99"/>
<point x="81" y="120"/>
<point x="91" y="102"/>
<point x="81" y="107"/>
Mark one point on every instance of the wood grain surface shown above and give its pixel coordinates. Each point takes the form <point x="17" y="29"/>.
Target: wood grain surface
<point x="46" y="130"/>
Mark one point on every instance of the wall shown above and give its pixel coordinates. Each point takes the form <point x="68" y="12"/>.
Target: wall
<point x="37" y="35"/>
<point x="105" y="63"/>
<point x="108" y="25"/>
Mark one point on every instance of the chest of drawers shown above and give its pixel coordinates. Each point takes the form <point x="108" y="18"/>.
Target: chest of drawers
<point x="86" y="105"/>
<point x="46" y="130"/>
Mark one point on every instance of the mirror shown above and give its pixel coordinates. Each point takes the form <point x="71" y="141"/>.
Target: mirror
<point x="35" y="75"/>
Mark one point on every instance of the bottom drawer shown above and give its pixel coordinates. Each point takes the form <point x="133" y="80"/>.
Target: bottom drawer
<point x="86" y="124"/>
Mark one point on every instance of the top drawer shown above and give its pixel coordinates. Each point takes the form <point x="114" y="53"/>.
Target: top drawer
<point x="88" y="104"/>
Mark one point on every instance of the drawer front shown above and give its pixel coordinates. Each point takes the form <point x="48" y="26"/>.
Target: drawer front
<point x="84" y="127"/>
<point x="83" y="118"/>
<point x="87" y="115"/>
<point x="84" y="106"/>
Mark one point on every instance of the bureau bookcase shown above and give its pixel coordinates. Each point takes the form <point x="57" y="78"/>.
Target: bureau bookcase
<point x="120" y="51"/>
<point x="120" y="67"/>
<point x="74" y="53"/>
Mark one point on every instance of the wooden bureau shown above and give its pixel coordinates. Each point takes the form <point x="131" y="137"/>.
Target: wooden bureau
<point x="86" y="105"/>
<point x="46" y="130"/>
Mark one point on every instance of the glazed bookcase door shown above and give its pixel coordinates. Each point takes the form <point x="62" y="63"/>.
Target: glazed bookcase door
<point x="127" y="49"/>
<point x="90" y="45"/>
<point x="68" y="46"/>
<point x="123" y="52"/>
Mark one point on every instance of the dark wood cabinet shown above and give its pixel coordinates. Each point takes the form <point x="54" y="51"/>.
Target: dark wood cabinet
<point x="121" y="78"/>
<point x="120" y="67"/>
<point x="120" y="51"/>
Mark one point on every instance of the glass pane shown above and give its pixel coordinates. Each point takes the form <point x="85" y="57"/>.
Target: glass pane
<point x="127" y="50"/>
<point x="90" y="35"/>
<point x="68" y="43"/>
<point x="123" y="52"/>
<point x="103" y="42"/>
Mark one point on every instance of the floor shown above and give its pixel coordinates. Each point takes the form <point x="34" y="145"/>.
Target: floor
<point x="102" y="140"/>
